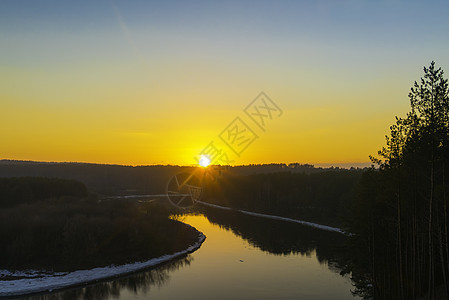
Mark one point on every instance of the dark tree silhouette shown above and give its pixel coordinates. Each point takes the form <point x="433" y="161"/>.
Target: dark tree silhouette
<point x="407" y="234"/>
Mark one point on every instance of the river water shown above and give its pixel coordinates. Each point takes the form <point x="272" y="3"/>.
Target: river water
<point x="243" y="257"/>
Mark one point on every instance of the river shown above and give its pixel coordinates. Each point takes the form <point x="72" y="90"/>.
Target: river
<point x="243" y="257"/>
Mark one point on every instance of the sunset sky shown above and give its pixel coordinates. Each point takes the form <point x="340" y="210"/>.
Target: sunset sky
<point x="154" y="82"/>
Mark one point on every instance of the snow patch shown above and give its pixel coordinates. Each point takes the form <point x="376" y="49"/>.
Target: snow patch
<point x="315" y="225"/>
<point x="42" y="281"/>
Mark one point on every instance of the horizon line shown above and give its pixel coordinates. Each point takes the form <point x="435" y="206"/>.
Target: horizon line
<point x="345" y="165"/>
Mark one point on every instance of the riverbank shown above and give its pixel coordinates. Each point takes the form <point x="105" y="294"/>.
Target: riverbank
<point x="47" y="282"/>
<point x="315" y="225"/>
<point x="70" y="234"/>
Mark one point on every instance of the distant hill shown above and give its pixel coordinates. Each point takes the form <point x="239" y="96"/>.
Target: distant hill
<point x="125" y="180"/>
<point x="103" y="179"/>
<point x="19" y="190"/>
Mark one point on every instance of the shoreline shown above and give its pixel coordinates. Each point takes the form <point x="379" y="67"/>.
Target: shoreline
<point x="311" y="224"/>
<point x="56" y="281"/>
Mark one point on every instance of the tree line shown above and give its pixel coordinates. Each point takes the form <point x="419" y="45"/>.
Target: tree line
<point x="321" y="197"/>
<point x="400" y="216"/>
<point x="19" y="190"/>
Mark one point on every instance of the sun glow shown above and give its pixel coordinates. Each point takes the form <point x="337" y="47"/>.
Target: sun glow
<point x="204" y="161"/>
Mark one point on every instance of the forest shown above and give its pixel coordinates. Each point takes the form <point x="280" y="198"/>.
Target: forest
<point x="322" y="197"/>
<point x="15" y="190"/>
<point x="400" y="215"/>
<point x="55" y="225"/>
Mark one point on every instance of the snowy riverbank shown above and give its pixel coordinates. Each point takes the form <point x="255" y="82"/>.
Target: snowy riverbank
<point x="32" y="281"/>
<point x="315" y="225"/>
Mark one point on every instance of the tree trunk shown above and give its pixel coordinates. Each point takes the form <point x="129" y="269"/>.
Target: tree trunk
<point x="446" y="252"/>
<point x="401" y="279"/>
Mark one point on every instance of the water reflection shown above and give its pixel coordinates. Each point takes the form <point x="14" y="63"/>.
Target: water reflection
<point x="137" y="283"/>
<point x="244" y="257"/>
<point x="283" y="238"/>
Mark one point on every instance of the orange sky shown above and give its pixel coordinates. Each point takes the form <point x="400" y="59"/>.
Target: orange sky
<point x="154" y="83"/>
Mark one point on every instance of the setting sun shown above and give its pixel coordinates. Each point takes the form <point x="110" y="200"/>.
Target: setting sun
<point x="204" y="161"/>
